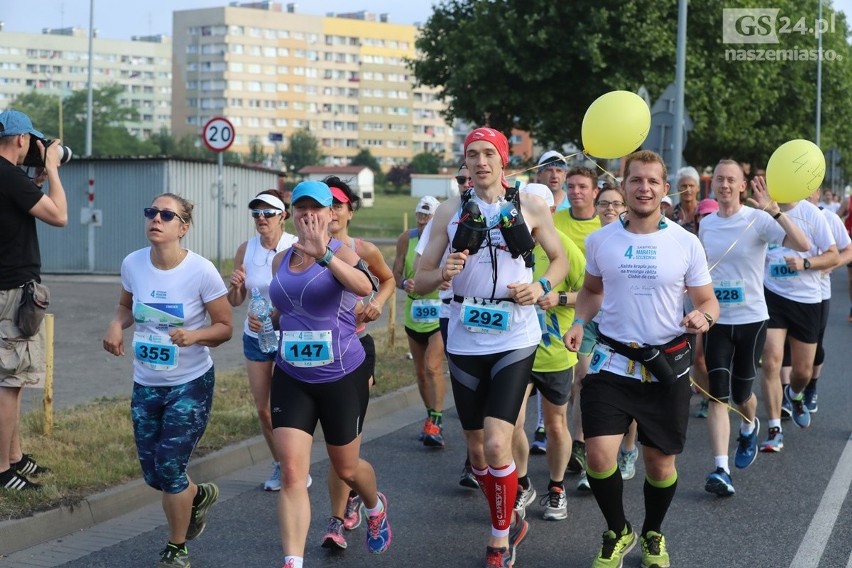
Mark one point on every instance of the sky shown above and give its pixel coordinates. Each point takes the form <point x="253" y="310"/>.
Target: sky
<point x="121" y="19"/>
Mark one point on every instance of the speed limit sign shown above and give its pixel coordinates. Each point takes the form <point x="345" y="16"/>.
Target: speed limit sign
<point x="218" y="134"/>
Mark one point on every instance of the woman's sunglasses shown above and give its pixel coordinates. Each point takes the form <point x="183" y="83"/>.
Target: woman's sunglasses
<point x="265" y="213"/>
<point x="165" y="214"/>
<point x="461" y="180"/>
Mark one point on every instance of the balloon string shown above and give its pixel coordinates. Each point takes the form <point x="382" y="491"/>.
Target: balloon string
<point x="711" y="397"/>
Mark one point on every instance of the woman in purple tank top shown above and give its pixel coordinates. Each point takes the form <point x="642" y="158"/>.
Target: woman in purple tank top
<point x="320" y="372"/>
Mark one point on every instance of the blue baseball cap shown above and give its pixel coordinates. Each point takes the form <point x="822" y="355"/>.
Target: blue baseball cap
<point x="14" y="122"/>
<point x="316" y="190"/>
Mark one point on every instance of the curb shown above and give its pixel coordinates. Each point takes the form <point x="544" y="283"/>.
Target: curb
<point x="20" y="534"/>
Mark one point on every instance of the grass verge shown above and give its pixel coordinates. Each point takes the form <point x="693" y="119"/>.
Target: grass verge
<point x="92" y="447"/>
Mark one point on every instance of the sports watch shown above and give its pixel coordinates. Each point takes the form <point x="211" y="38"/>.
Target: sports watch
<point x="545" y="285"/>
<point x="806" y="263"/>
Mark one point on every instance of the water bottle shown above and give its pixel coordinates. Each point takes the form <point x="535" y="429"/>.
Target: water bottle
<point x="266" y="337"/>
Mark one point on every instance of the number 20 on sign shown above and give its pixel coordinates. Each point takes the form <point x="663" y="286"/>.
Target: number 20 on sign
<point x="218" y="134"/>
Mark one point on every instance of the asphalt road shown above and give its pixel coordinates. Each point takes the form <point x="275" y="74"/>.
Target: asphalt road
<point x="791" y="509"/>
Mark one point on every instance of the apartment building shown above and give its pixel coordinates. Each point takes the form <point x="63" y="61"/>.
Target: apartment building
<point x="271" y="71"/>
<point x="56" y="62"/>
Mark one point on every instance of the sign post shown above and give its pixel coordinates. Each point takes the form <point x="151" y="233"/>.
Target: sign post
<point x="218" y="135"/>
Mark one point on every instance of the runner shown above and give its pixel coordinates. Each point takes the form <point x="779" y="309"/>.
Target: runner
<point x="321" y="371"/>
<point x="736" y="240"/>
<point x="168" y="292"/>
<point x="422" y="326"/>
<point x="552" y="374"/>
<point x="253" y="269"/>
<point x="639" y="370"/>
<point x="345" y="503"/>
<point x="493" y="330"/>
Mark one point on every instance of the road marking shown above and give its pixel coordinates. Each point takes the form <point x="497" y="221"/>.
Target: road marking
<point x="813" y="544"/>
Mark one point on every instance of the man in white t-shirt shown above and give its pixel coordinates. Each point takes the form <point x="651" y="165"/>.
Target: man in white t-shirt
<point x="792" y="289"/>
<point x="736" y="239"/>
<point x="640" y="367"/>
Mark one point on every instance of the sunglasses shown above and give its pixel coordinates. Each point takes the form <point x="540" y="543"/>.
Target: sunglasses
<point x="461" y="180"/>
<point x="165" y="214"/>
<point x="265" y="213"/>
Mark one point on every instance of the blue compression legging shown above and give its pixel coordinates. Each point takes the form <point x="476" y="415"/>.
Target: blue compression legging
<point x="168" y="422"/>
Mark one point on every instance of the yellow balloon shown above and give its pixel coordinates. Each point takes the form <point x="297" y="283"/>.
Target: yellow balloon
<point x="794" y="171"/>
<point x="615" y="124"/>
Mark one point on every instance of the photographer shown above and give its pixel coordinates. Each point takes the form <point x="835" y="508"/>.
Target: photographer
<point x="21" y="203"/>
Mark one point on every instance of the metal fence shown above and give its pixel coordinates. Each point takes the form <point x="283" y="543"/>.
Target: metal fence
<point x="123" y="187"/>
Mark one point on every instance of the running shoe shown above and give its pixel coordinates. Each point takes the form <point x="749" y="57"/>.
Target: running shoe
<point x="615" y="548"/>
<point x="654" y="554"/>
<point x="354" y="509"/>
<point x="379" y="533"/>
<point x="173" y="556"/>
<point x="811" y="399"/>
<point x="703" y="405"/>
<point x="433" y="435"/>
<point x="719" y="483"/>
<point x="801" y="415"/>
<point x="577" y="461"/>
<point x="28" y="466"/>
<point x="274" y="481"/>
<point x="14" y="481"/>
<point x="334" y="538"/>
<point x="499" y="557"/>
<point x="539" y="443"/>
<point x="422" y="435"/>
<point x="517" y="530"/>
<point x="775" y="441"/>
<point x="198" y="520"/>
<point x="555" y="504"/>
<point x="583" y="482"/>
<point x="524" y="498"/>
<point x="467" y="478"/>
<point x="786" y="408"/>
<point x="747" y="447"/>
<point x="627" y="463"/>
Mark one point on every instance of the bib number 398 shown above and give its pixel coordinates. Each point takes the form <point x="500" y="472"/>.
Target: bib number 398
<point x="425" y="311"/>
<point x="307" y="348"/>
<point x="483" y="316"/>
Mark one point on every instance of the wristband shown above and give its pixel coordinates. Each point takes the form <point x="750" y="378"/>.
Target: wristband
<point x="579" y="321"/>
<point x="325" y="259"/>
<point x="402" y="286"/>
<point x="777" y="215"/>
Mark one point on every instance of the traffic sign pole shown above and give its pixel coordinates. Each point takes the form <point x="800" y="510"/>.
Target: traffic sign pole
<point x="218" y="135"/>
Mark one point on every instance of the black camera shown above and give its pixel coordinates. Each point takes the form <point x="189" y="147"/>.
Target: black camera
<point x="35" y="157"/>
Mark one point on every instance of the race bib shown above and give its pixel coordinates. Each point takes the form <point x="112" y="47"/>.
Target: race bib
<point x="425" y="311"/>
<point x="730" y="292"/>
<point x="600" y="356"/>
<point x="486" y="316"/>
<point x="155" y="351"/>
<point x="782" y="271"/>
<point x="306" y="348"/>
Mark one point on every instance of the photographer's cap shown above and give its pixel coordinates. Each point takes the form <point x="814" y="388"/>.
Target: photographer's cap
<point x="427" y="205"/>
<point x="14" y="122"/>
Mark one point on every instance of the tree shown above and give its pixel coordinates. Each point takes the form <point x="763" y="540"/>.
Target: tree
<point x="365" y="158"/>
<point x="398" y="176"/>
<point x="302" y="150"/>
<point x="425" y="163"/>
<point x="109" y="116"/>
<point x="534" y="76"/>
<point x="256" y="154"/>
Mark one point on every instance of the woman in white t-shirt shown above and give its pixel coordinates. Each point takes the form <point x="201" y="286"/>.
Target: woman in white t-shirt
<point x="253" y="269"/>
<point x="168" y="292"/>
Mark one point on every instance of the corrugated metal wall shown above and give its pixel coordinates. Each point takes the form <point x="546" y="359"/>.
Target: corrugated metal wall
<point x="124" y="187"/>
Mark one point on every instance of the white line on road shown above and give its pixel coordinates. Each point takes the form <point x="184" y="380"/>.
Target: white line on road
<point x="813" y="544"/>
